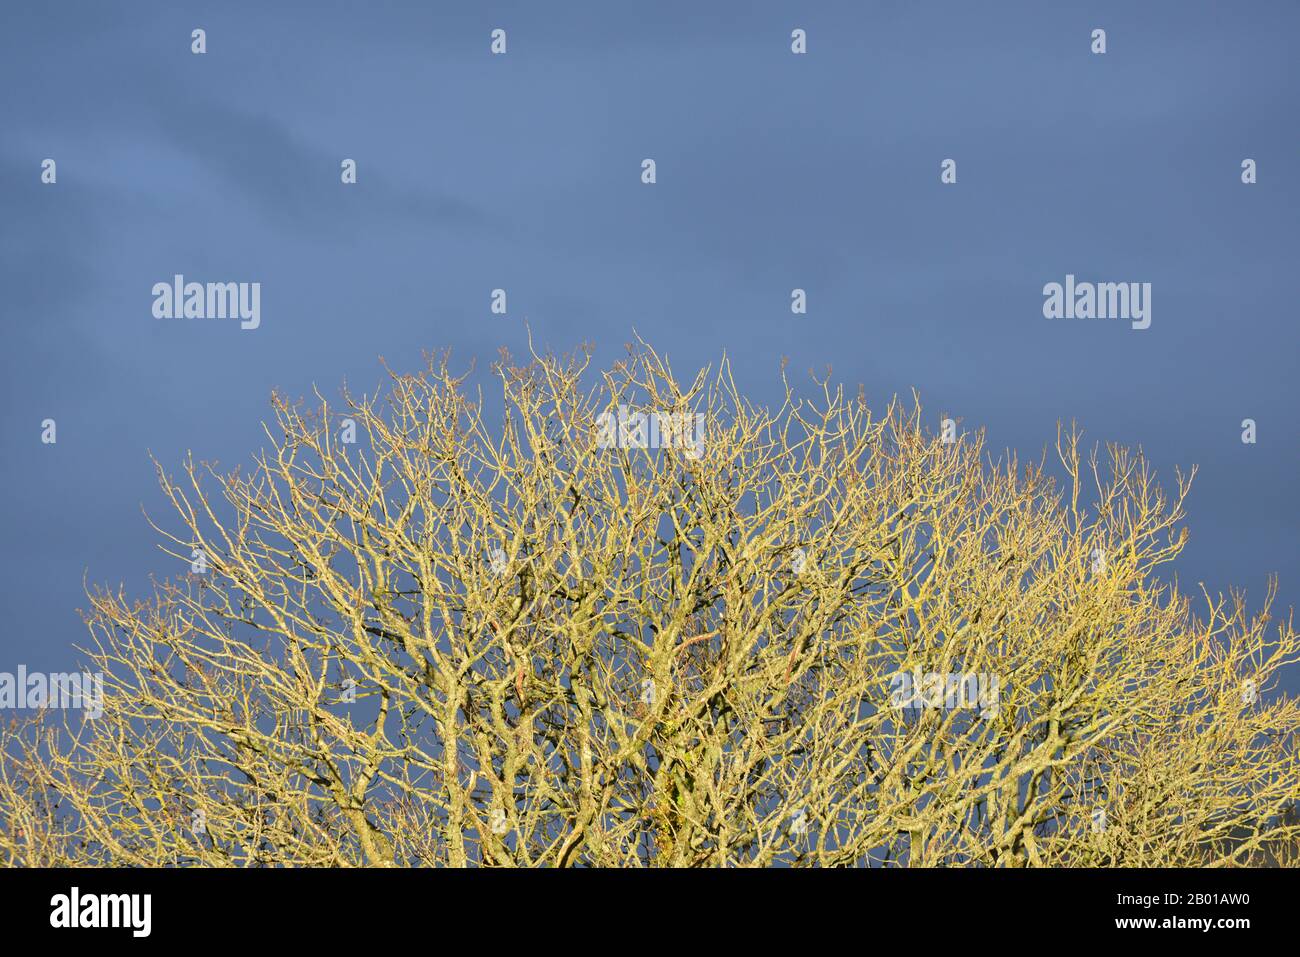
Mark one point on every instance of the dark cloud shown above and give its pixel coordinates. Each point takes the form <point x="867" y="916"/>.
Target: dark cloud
<point x="521" y="172"/>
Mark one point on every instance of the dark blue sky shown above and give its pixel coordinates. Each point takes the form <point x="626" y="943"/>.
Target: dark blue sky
<point x="522" y="171"/>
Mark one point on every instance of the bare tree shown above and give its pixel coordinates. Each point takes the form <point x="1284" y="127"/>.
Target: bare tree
<point x="578" y="632"/>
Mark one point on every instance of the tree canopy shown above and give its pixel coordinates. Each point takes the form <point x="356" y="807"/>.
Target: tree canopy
<point x="630" y="620"/>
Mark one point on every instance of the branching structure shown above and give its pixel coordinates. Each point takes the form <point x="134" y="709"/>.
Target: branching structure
<point x="496" y="639"/>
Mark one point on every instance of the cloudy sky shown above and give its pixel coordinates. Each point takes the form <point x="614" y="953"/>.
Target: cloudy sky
<point x="522" y="172"/>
